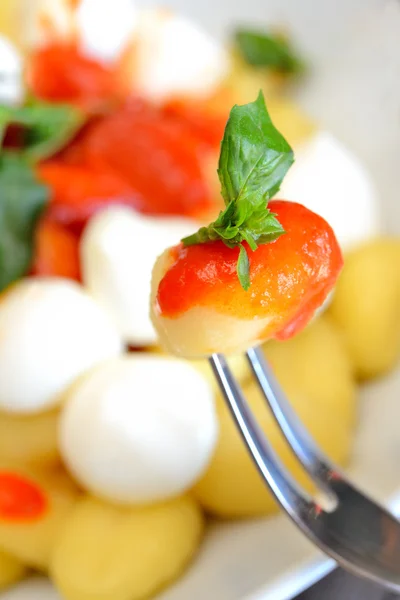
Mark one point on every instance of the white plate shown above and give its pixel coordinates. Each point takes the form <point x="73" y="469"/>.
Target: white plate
<point x="354" y="90"/>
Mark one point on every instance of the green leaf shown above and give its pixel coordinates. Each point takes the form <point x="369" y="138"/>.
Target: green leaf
<point x="47" y="127"/>
<point x="254" y="158"/>
<point x="253" y="162"/>
<point x="243" y="268"/>
<point x="260" y="49"/>
<point x="22" y="200"/>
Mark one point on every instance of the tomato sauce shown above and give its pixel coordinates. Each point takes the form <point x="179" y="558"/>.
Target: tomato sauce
<point x="155" y="159"/>
<point x="59" y="73"/>
<point x="21" y="500"/>
<point x="289" y="277"/>
<point x="79" y="191"/>
<point x="157" y="154"/>
<point x="56" y="251"/>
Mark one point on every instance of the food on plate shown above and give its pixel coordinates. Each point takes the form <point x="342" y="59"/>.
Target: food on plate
<point x="112" y="121"/>
<point x="56" y="251"/>
<point x="114" y="240"/>
<point x="79" y="191"/>
<point x="366" y="306"/>
<point x="159" y="54"/>
<point x="11" y="87"/>
<point x="59" y="73"/>
<point x="139" y="429"/>
<point x="261" y="269"/>
<point x="52" y="332"/>
<point x="11" y="570"/>
<point x="115" y="553"/>
<point x="164" y="163"/>
<point x="34" y="504"/>
<point x="29" y="439"/>
<point x="102" y="29"/>
<point x="323" y="393"/>
<point x="172" y="57"/>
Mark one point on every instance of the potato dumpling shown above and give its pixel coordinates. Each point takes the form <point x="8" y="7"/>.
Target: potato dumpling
<point x="11" y="570"/>
<point x="32" y="540"/>
<point x="29" y="439"/>
<point x="317" y="364"/>
<point x="366" y="306"/>
<point x="315" y="373"/>
<point x="198" y="305"/>
<point x="111" y="553"/>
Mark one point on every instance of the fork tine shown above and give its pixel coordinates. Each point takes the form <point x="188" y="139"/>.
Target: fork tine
<point x="304" y="447"/>
<point x="360" y="535"/>
<point x="282" y="485"/>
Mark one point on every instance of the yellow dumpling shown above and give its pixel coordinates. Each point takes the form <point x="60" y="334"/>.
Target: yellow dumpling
<point x="315" y="373"/>
<point x="366" y="306"/>
<point x="29" y="439"/>
<point x="111" y="553"/>
<point x="32" y="541"/>
<point x="11" y="570"/>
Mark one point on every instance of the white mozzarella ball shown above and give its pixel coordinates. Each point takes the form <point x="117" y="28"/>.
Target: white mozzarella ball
<point x="102" y="28"/>
<point x="51" y="332"/>
<point x="105" y="27"/>
<point x="139" y="429"/>
<point x="174" y="57"/>
<point x="118" y="251"/>
<point x="329" y="180"/>
<point x="11" y="84"/>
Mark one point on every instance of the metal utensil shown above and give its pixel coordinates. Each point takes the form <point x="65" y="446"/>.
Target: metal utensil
<point x="360" y="535"/>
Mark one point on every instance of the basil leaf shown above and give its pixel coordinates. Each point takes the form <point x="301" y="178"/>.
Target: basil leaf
<point x="243" y="268"/>
<point x="47" y="127"/>
<point x="267" y="50"/>
<point x="253" y="162"/>
<point x="22" y="200"/>
<point x="254" y="158"/>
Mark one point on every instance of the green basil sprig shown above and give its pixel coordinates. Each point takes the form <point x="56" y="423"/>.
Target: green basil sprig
<point x="22" y="201"/>
<point x="260" y="49"/>
<point x="254" y="160"/>
<point x="45" y="129"/>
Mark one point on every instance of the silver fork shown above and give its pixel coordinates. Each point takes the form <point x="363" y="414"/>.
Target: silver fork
<point x="360" y="535"/>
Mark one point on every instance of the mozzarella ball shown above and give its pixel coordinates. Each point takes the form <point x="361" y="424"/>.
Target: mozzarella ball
<point x="118" y="250"/>
<point x="11" y="85"/>
<point x="174" y="57"/>
<point x="139" y="429"/>
<point x="329" y="180"/>
<point x="105" y="27"/>
<point x="51" y="332"/>
<point x="101" y="28"/>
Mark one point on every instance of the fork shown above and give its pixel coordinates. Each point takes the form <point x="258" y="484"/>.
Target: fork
<point x="361" y="536"/>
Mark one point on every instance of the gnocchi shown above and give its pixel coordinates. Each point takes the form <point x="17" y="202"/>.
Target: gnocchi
<point x="366" y="306"/>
